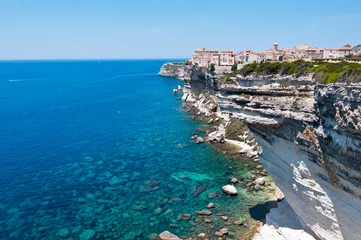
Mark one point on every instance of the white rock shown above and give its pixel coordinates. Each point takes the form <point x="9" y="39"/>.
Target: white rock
<point x="230" y="190"/>
<point x="260" y="181"/>
<point x="168" y="236"/>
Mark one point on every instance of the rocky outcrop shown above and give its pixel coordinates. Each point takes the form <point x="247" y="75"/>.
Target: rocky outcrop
<point x="310" y="137"/>
<point x="357" y="49"/>
<point x="177" y="70"/>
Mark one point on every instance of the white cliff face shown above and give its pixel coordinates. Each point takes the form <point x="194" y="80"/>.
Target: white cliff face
<point x="310" y="141"/>
<point x="310" y="137"/>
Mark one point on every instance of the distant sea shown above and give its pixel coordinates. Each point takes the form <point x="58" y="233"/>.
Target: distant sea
<point x="102" y="150"/>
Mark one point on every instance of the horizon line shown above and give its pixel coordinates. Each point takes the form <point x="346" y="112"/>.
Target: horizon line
<point x="93" y="59"/>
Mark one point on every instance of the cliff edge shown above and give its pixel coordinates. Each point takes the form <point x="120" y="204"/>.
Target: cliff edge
<point x="310" y="139"/>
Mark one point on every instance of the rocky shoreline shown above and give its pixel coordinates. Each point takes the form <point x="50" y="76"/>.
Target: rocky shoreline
<point x="307" y="136"/>
<point x="219" y="133"/>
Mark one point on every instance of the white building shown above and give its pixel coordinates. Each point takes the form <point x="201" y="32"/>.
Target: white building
<point x="338" y="52"/>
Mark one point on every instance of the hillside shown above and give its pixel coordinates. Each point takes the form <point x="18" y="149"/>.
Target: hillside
<point x="322" y="72"/>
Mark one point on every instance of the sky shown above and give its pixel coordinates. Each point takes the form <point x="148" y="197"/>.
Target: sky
<point x="130" y="29"/>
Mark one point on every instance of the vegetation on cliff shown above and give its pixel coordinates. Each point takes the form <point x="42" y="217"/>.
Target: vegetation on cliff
<point x="323" y="72"/>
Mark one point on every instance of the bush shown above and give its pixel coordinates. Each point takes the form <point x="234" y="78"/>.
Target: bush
<point x="212" y="68"/>
<point x="234" y="68"/>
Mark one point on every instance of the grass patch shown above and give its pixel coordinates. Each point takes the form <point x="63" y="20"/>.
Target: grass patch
<point x="235" y="129"/>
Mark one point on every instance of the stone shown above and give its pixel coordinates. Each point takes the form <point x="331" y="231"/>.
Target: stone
<point x="260" y="181"/>
<point x="210" y="205"/>
<point x="234" y="180"/>
<point x="238" y="222"/>
<point x="204" y="212"/>
<point x="225" y="218"/>
<point x="166" y="235"/>
<point x="199" y="140"/>
<point x="158" y="211"/>
<point x="218" y="234"/>
<point x="257" y="187"/>
<point x="207" y="220"/>
<point x="194" y="137"/>
<point x="253" y="176"/>
<point x="202" y="235"/>
<point x="87" y="234"/>
<point x="259" y="167"/>
<point x="213" y="194"/>
<point x="210" y="121"/>
<point x="230" y="190"/>
<point x="64" y="232"/>
<point x="185" y="216"/>
<point x="216" y="119"/>
<point x="224" y="231"/>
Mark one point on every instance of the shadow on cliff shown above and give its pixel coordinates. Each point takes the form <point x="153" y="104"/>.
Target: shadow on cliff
<point x="259" y="211"/>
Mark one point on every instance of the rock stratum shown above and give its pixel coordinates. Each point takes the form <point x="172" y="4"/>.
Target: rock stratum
<point x="307" y="136"/>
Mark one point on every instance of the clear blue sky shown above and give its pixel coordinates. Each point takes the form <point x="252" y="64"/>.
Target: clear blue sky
<point x="78" y="29"/>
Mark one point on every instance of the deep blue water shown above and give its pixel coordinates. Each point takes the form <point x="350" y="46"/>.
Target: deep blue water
<point x="103" y="151"/>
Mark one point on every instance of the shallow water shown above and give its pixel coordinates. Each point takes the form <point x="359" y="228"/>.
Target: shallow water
<point x="102" y="150"/>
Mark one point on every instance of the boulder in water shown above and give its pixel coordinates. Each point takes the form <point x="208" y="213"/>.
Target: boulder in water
<point x="229" y="189"/>
<point x="168" y="236"/>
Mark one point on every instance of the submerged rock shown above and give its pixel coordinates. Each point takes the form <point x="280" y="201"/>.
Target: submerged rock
<point x="64" y="232"/>
<point x="204" y="212"/>
<point x="87" y="234"/>
<point x="230" y="190"/>
<point x="199" y="140"/>
<point x="210" y="205"/>
<point x="168" y="236"/>
<point x="185" y="216"/>
<point x="234" y="180"/>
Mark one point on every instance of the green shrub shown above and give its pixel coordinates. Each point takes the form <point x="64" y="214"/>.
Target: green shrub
<point x="212" y="68"/>
<point x="234" y="68"/>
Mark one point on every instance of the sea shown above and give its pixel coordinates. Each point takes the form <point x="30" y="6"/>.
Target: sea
<point x="101" y="150"/>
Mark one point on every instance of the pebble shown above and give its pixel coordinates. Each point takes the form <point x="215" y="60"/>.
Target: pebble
<point x="202" y="235"/>
<point x="207" y="220"/>
<point x="224" y="230"/>
<point x="234" y="180"/>
<point x="257" y="187"/>
<point x="225" y="218"/>
<point x="185" y="216"/>
<point x="158" y="211"/>
<point x="218" y="234"/>
<point x="253" y="176"/>
<point x="259" y="166"/>
<point x="204" y="212"/>
<point x="238" y="222"/>
<point x="210" y="205"/>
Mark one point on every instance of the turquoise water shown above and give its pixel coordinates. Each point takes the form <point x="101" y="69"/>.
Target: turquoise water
<point x="102" y="150"/>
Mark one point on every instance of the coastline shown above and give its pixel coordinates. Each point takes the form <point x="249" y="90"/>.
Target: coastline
<point x="202" y="109"/>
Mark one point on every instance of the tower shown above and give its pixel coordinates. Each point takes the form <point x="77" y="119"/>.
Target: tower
<point x="275" y="45"/>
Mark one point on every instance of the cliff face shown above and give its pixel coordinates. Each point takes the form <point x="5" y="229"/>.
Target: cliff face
<point x="357" y="49"/>
<point x="177" y="70"/>
<point x="311" y="144"/>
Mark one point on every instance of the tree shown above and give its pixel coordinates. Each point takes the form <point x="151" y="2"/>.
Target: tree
<point x="212" y="68"/>
<point x="234" y="68"/>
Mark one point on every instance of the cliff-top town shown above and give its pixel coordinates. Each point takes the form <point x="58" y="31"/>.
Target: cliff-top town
<point x="203" y="57"/>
